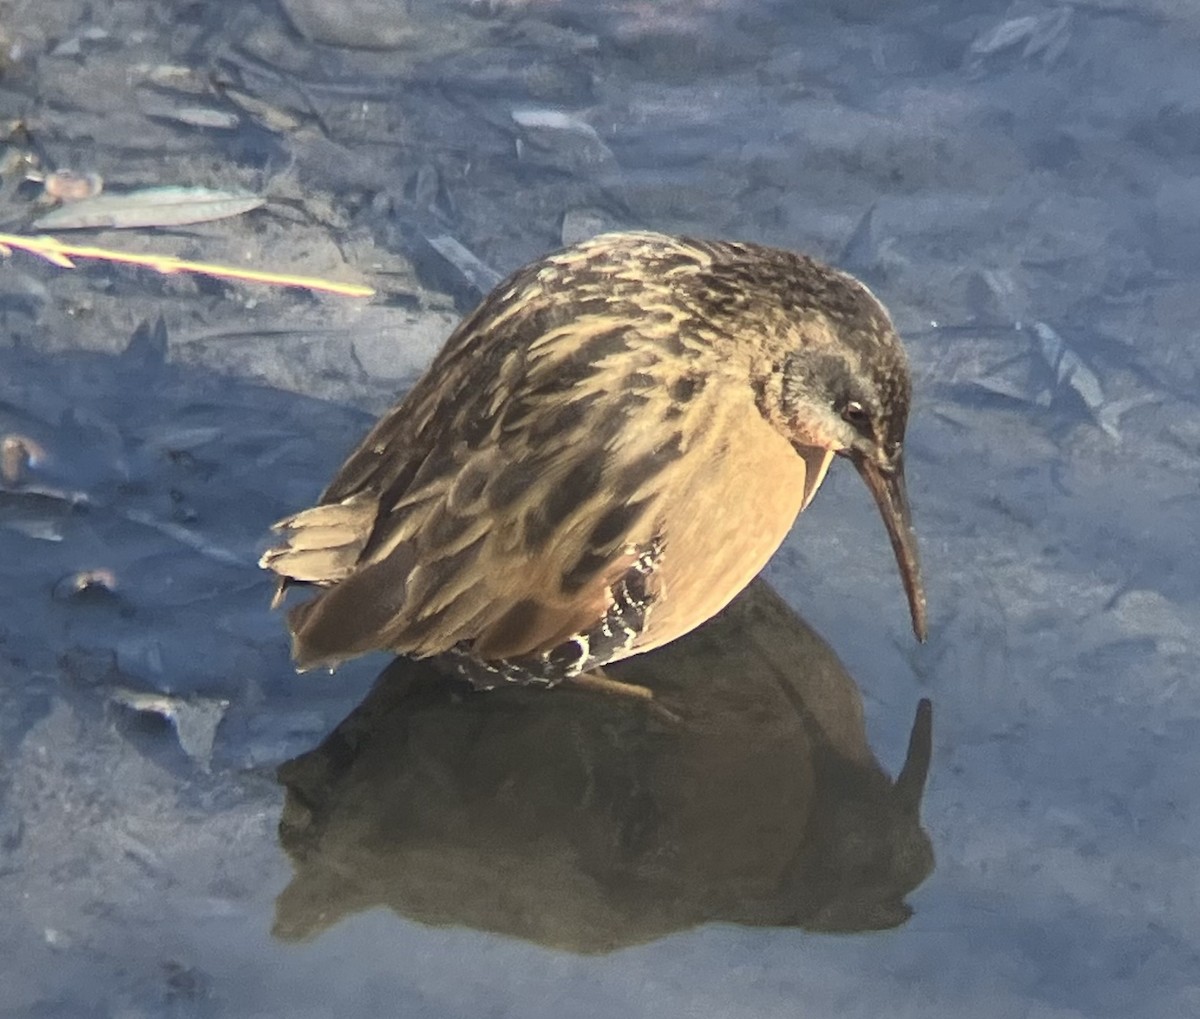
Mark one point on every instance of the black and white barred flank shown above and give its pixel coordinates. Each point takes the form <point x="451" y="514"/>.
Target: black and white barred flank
<point x="621" y="625"/>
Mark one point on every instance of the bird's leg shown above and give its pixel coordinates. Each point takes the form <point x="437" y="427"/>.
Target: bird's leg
<point x="600" y="682"/>
<point x="597" y="681"/>
<point x="490" y="675"/>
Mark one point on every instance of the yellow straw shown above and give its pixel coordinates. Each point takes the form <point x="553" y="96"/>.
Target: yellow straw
<point x="53" y="250"/>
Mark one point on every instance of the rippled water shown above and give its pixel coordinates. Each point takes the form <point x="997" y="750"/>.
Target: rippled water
<point x="1020" y="183"/>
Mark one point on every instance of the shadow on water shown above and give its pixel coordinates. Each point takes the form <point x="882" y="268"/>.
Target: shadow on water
<point x="589" y="823"/>
<point x="134" y="497"/>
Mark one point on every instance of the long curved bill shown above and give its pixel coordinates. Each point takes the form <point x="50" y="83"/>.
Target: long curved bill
<point x="887" y="486"/>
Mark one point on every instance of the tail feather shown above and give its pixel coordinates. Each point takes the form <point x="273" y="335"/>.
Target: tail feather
<point x="322" y="545"/>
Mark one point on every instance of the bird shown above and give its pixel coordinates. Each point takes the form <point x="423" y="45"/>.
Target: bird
<point x="603" y="454"/>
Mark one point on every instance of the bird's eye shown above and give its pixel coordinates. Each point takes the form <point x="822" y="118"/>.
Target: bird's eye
<point x="856" y="414"/>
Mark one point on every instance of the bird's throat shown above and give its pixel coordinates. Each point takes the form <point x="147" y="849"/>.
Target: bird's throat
<point x="816" y="463"/>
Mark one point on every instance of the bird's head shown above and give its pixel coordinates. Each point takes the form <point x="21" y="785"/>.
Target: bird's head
<point x="838" y="384"/>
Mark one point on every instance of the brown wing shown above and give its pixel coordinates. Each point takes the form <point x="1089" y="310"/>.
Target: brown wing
<point x="510" y="489"/>
<point x="512" y="545"/>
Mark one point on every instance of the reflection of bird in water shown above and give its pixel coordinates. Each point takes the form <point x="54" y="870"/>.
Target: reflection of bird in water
<point x="580" y="824"/>
<point x="604" y="453"/>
